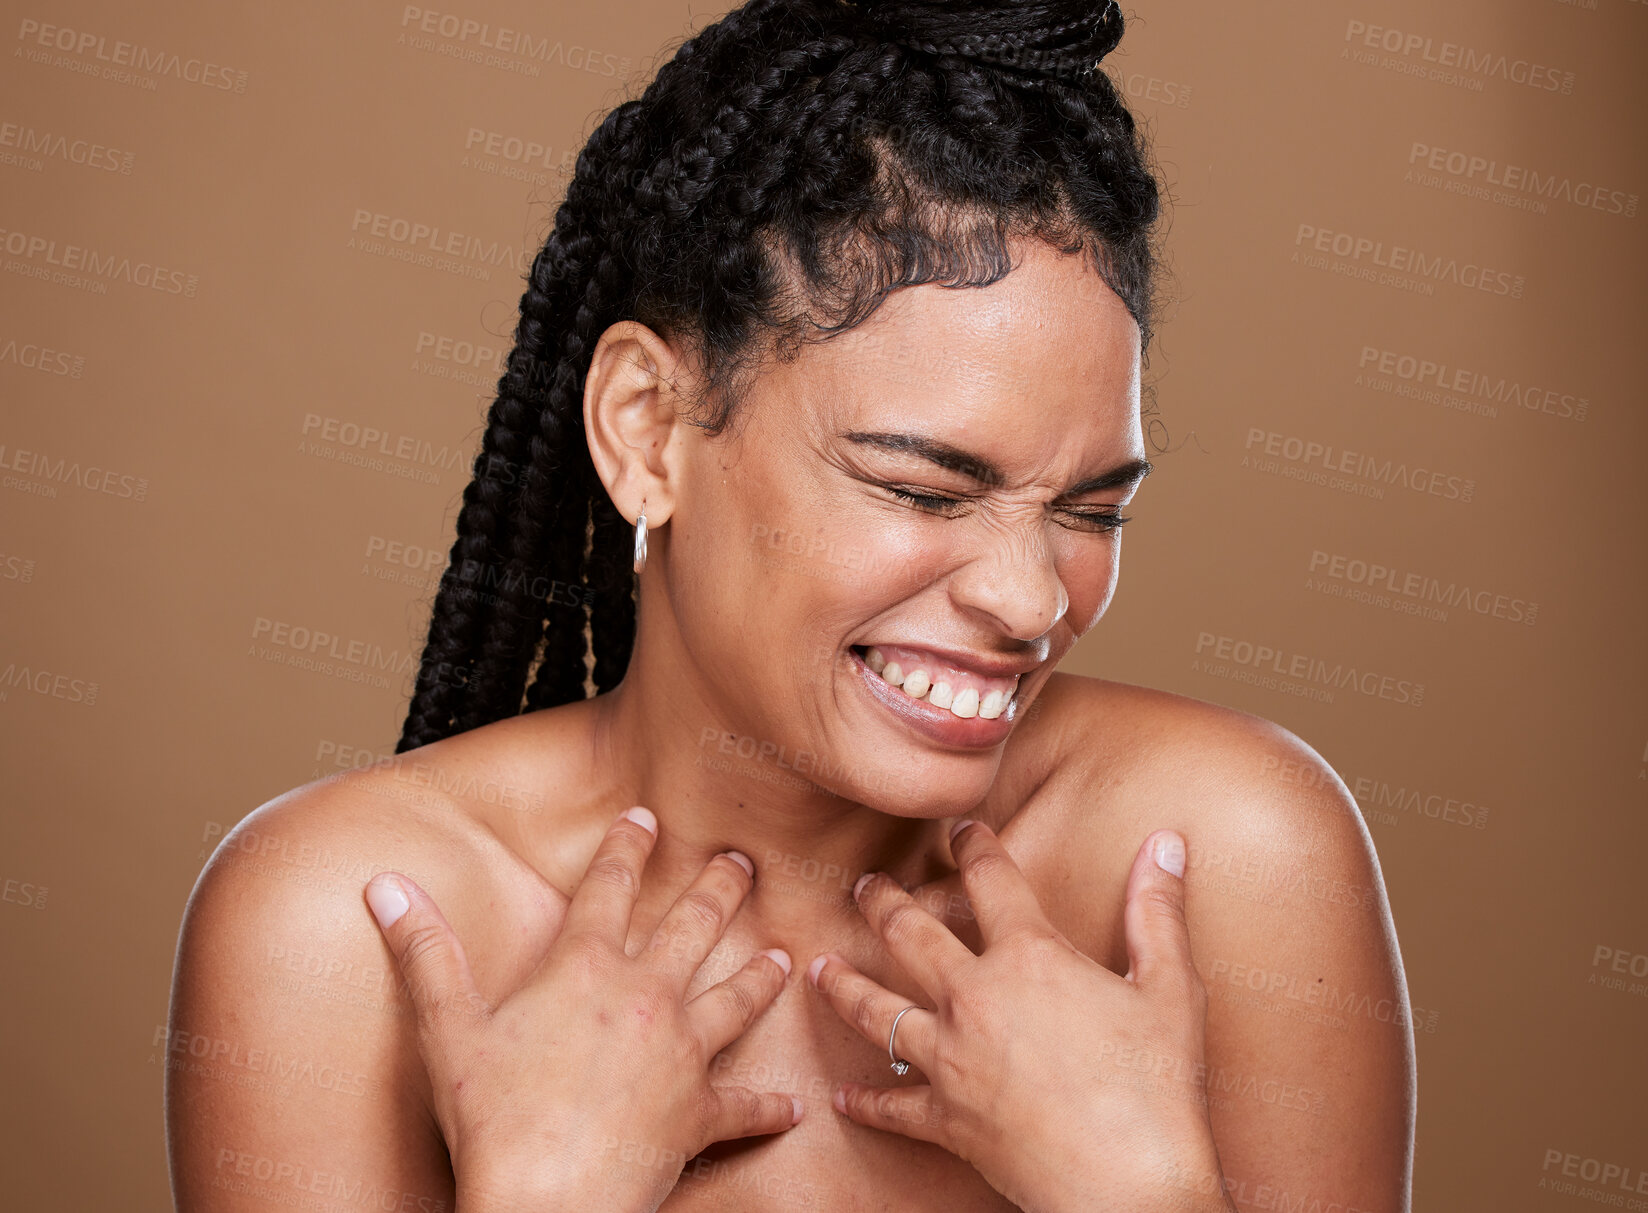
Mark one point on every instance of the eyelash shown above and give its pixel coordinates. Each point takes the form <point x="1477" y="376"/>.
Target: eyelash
<point x="938" y="505"/>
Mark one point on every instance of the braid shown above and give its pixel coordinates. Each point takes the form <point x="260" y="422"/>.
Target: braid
<point x="466" y="639"/>
<point x="487" y="509"/>
<point x="612" y="622"/>
<point x="791" y="164"/>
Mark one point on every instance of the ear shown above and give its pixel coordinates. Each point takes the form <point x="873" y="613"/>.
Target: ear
<point x="632" y="420"/>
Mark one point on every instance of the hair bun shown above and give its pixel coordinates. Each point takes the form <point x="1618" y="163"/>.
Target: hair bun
<point x="1063" y="40"/>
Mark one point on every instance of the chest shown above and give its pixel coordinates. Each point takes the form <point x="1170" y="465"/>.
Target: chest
<point x="827" y="1162"/>
<point x="801" y="1045"/>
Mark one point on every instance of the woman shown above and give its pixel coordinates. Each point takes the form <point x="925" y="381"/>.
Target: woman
<point x="836" y="343"/>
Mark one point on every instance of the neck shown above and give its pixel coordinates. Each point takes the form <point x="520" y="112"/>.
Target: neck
<point x="658" y="741"/>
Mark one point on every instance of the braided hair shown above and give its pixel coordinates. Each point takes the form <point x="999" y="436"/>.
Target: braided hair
<point x="791" y="164"/>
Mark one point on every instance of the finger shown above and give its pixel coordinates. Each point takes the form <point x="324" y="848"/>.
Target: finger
<point x="1001" y="898"/>
<point x="605" y="898"/>
<point x="721" y="1013"/>
<point x="693" y="926"/>
<point x="924" y="947"/>
<point x="909" y="1111"/>
<point x="741" y="1112"/>
<point x="424" y="946"/>
<point x="1158" y="940"/>
<point x="871" y="1009"/>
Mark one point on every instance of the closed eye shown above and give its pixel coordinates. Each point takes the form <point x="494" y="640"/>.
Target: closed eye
<point x="924" y="500"/>
<point x="1104" y="519"/>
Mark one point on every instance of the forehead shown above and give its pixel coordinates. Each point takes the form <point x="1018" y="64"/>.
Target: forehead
<point x="1048" y="352"/>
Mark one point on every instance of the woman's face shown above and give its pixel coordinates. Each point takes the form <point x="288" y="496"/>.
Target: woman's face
<point x="792" y="551"/>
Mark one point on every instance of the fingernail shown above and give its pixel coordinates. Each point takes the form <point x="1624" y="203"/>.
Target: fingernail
<point x="816" y="966"/>
<point x="742" y="860"/>
<point x="1170" y="853"/>
<point x="643" y="818"/>
<point x="959" y="826"/>
<point x="795" y="1109"/>
<point x="859" y="884"/>
<point x="781" y="956"/>
<point x="387" y="900"/>
<point x="839" y="1099"/>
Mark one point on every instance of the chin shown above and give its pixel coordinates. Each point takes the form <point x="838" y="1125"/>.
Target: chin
<point x="903" y="792"/>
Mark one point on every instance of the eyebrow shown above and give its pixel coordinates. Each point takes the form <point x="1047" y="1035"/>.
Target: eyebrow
<point x="952" y="458"/>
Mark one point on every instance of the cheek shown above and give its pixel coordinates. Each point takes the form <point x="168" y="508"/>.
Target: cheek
<point x="1090" y="571"/>
<point x="767" y="572"/>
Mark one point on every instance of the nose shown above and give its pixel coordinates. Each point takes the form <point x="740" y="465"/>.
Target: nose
<point x="1014" y="580"/>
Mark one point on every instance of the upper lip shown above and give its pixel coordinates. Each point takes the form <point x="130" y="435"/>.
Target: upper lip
<point x="988" y="666"/>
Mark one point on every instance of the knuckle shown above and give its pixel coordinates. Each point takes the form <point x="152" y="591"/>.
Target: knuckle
<point x="864" y="1017"/>
<point x="738" y="1105"/>
<point x="702" y="909"/>
<point x="1163" y="899"/>
<point x="902" y="922"/>
<point x="421" y="945"/>
<point x="681" y="947"/>
<point x="654" y="994"/>
<point x="704" y="1109"/>
<point x="1036" y="945"/>
<point x="588" y="958"/>
<point x="984" y="863"/>
<point x="614" y="870"/>
<point x="741" y="999"/>
<point x="976" y="1015"/>
<point x="970" y="1018"/>
<point x="891" y="1107"/>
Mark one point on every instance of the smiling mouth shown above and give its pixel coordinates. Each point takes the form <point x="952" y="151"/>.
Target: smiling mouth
<point x="930" y="679"/>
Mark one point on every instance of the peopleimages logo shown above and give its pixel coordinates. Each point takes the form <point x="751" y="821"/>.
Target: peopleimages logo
<point x="53" y="145"/>
<point x="1322" y="462"/>
<point x="1489" y="180"/>
<point x="38" y="252"/>
<point x="1215" y="654"/>
<point x="429" y="244"/>
<point x="1411" y="263"/>
<point x="39" y="40"/>
<point x="47" y="472"/>
<point x="475" y="38"/>
<point x="1439" y="383"/>
<point x="1382" y="580"/>
<point x="1448" y="62"/>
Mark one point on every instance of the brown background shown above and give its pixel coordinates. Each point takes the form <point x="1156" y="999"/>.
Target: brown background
<point x="178" y="488"/>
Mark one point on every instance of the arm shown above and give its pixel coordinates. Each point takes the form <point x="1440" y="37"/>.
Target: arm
<point x="524" y="1059"/>
<point x="1311" y="1076"/>
<point x="291" y="1068"/>
<point x="1191" y="1097"/>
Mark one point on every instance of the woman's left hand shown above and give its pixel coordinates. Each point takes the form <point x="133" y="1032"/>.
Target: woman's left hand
<point x="1066" y="1086"/>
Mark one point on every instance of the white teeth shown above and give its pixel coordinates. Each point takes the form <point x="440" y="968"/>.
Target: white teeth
<point x="917" y="684"/>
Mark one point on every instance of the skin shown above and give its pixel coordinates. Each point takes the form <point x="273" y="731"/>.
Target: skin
<point x="1038" y="374"/>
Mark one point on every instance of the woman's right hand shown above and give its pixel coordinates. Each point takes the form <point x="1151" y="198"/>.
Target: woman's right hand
<point x="588" y="1086"/>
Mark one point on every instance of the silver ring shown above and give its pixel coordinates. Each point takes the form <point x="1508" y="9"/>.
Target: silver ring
<point x="900" y="1066"/>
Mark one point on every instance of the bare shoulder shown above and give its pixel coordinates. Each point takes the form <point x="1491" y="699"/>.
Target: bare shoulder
<point x="290" y="1053"/>
<point x="1308" y="1032"/>
<point x="1257" y="804"/>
